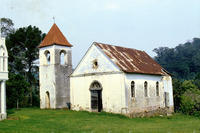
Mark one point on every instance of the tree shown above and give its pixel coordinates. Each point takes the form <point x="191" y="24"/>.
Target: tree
<point x="177" y="92"/>
<point x="183" y="61"/>
<point x="23" y="50"/>
<point x="190" y="102"/>
<point x="17" y="90"/>
<point x="6" y="26"/>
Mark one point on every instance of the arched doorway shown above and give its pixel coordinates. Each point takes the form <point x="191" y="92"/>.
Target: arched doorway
<point x="96" y="96"/>
<point x="47" y="100"/>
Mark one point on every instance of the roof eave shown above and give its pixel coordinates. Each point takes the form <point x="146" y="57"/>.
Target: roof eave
<point x="144" y="73"/>
<point x="40" y="46"/>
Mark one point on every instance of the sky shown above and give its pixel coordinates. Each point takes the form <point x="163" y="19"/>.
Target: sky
<point x="139" y="24"/>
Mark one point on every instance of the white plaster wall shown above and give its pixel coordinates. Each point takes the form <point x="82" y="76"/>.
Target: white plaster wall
<point x="47" y="83"/>
<point x="113" y="94"/>
<point x="104" y="63"/>
<point x="47" y="74"/>
<point x="3" y="49"/>
<point x="107" y="74"/>
<point x="3" y="77"/>
<point x="141" y="103"/>
<point x="167" y="83"/>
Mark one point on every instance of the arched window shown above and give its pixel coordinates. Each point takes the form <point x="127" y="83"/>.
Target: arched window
<point x="48" y="57"/>
<point x="62" y="57"/>
<point x="145" y="89"/>
<point x="157" y="88"/>
<point x="132" y="89"/>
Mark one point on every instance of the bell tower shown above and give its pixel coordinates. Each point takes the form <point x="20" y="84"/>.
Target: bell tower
<point x="54" y="70"/>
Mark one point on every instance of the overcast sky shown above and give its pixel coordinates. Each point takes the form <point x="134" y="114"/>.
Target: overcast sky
<point x="139" y="24"/>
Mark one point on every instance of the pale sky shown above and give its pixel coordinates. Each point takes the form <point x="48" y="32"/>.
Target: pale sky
<point x="139" y="24"/>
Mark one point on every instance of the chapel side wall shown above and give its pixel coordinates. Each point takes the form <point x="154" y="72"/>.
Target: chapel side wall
<point x="167" y="84"/>
<point x="140" y="103"/>
<point x="113" y="98"/>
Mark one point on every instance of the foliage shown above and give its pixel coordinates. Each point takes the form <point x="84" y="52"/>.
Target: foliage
<point x="190" y="102"/>
<point x="22" y="46"/>
<point x="183" y="61"/>
<point x="197" y="80"/>
<point x="23" y="51"/>
<point x="17" y="91"/>
<point x="177" y="92"/>
<point x="59" y="121"/>
<point x="6" y="26"/>
<point x="186" y="97"/>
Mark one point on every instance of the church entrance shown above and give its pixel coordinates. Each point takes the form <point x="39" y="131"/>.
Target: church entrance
<point x="96" y="96"/>
<point x="47" y="100"/>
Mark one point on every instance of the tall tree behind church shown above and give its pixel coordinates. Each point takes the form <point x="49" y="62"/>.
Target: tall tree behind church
<point x="23" y="55"/>
<point x="182" y="61"/>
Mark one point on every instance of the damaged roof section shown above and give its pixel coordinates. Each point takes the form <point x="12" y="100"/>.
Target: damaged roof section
<point x="131" y="60"/>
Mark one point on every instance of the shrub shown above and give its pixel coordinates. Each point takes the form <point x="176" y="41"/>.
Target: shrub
<point x="190" y="102"/>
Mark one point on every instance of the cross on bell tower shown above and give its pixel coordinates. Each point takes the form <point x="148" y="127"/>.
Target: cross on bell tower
<point x="54" y="20"/>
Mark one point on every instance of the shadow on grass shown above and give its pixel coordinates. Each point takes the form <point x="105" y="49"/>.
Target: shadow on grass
<point x="104" y="114"/>
<point x="10" y="111"/>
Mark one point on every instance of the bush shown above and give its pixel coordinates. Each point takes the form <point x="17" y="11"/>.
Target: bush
<point x="190" y="102"/>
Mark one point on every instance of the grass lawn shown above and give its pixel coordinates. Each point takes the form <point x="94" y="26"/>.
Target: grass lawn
<point x="57" y="121"/>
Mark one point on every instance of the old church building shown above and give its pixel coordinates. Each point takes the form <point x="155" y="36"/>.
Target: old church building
<point x="120" y="80"/>
<point x="3" y="77"/>
<point x="108" y="78"/>
<point x="54" y="70"/>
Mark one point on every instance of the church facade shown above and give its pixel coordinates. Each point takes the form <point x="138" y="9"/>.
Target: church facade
<point x="108" y="78"/>
<point x="3" y="77"/>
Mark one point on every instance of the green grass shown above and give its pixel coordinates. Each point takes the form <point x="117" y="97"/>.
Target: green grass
<point x="31" y="120"/>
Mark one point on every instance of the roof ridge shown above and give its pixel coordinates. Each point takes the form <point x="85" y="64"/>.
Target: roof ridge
<point x="119" y="46"/>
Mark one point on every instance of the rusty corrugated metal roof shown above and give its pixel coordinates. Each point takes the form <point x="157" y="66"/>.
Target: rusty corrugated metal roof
<point x="131" y="60"/>
<point x="54" y="36"/>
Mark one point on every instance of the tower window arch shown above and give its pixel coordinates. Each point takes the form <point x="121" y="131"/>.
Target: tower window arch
<point x="132" y="89"/>
<point x="157" y="88"/>
<point x="63" y="57"/>
<point x="48" y="57"/>
<point x="145" y="89"/>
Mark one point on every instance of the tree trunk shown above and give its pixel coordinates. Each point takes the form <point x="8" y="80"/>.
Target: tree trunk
<point x="17" y="104"/>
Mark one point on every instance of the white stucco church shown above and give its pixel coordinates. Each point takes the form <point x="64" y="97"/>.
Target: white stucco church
<point x="108" y="78"/>
<point x="3" y="77"/>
